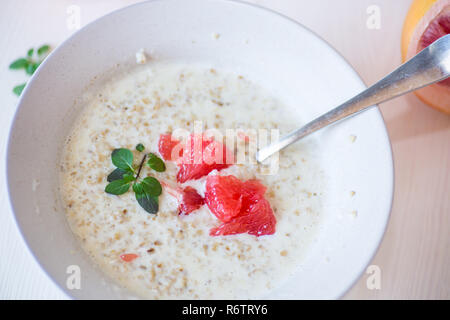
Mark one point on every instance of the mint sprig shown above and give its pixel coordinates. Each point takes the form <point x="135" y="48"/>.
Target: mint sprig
<point x="146" y="190"/>
<point x="29" y="63"/>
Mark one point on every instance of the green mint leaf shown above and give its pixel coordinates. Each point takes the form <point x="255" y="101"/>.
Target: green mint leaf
<point x="129" y="177"/>
<point x="147" y="202"/>
<point x="43" y="49"/>
<point x="117" y="174"/>
<point x="36" y="65"/>
<point x="151" y="186"/>
<point x="118" y="187"/>
<point x="31" y="68"/>
<point x="137" y="188"/>
<point x="140" y="147"/>
<point x="156" y="163"/>
<point x="123" y="159"/>
<point x="30" y="53"/>
<point x="19" y="64"/>
<point x="147" y="193"/>
<point x="18" y="89"/>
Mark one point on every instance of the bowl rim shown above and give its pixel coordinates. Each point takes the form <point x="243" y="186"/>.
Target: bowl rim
<point x="295" y="23"/>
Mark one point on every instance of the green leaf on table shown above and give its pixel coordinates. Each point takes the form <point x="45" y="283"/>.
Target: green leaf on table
<point x="31" y="68"/>
<point x="19" y="88"/>
<point x="43" y="49"/>
<point x="29" y="64"/>
<point x="19" y="64"/>
<point x="156" y="163"/>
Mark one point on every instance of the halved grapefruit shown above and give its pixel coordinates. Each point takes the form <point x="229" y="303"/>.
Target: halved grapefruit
<point x="427" y="21"/>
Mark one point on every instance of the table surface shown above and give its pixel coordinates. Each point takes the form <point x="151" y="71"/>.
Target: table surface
<point x="414" y="256"/>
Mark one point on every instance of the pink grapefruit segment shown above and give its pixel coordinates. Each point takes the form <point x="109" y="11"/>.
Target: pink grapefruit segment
<point x="166" y="147"/>
<point x="258" y="220"/>
<point x="223" y="196"/>
<point x="241" y="206"/>
<point x="188" y="198"/>
<point x="201" y="155"/>
<point x="195" y="157"/>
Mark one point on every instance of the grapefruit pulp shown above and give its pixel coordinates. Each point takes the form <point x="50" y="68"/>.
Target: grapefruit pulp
<point x="427" y="21"/>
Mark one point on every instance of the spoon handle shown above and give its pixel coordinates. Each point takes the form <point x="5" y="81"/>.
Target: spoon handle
<point x="430" y="65"/>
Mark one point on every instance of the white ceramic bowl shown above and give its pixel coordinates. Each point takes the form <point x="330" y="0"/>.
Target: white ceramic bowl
<point x="270" y="49"/>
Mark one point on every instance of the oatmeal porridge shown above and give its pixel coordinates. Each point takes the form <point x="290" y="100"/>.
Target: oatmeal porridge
<point x="174" y="256"/>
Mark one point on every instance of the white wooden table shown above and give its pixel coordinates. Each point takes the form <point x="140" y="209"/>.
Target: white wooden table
<point x="414" y="257"/>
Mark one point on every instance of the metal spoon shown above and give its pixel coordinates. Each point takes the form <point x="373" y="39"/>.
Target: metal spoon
<point x="430" y="65"/>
